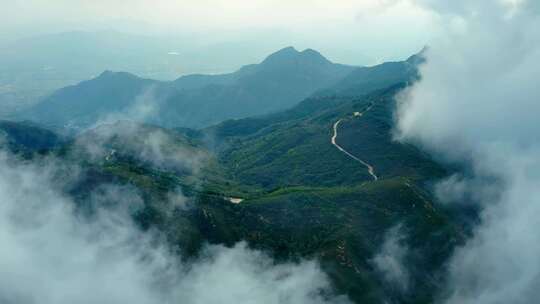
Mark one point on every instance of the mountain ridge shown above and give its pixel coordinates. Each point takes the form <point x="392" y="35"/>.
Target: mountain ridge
<point x="278" y="82"/>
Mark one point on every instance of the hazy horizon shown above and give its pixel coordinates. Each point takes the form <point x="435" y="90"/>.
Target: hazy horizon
<point x="327" y="28"/>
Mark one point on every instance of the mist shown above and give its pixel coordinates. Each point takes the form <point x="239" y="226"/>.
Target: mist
<point x="477" y="105"/>
<point x="262" y="25"/>
<point x="51" y="253"/>
<point x="390" y="260"/>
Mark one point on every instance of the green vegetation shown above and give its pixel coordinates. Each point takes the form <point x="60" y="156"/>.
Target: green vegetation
<point x="298" y="152"/>
<point x="303" y="198"/>
<point x="27" y="138"/>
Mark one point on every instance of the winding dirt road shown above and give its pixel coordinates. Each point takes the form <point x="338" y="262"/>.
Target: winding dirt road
<point x="370" y="168"/>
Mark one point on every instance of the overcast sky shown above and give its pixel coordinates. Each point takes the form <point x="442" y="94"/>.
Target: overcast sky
<point x="347" y="31"/>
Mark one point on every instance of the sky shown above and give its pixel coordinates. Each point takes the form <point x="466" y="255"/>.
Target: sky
<point x="347" y="31"/>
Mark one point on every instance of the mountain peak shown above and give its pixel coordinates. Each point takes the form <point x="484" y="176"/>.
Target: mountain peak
<point x="289" y="54"/>
<point x="283" y="54"/>
<point x="313" y="55"/>
<point x="288" y="49"/>
<point x="108" y="74"/>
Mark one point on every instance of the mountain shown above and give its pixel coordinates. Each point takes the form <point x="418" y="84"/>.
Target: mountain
<point x="33" y="67"/>
<point x="277" y="83"/>
<point x="303" y="194"/>
<point x="27" y="138"/>
<point x="364" y="80"/>
<point x="86" y="103"/>
<point x="294" y="148"/>
<point x="322" y="180"/>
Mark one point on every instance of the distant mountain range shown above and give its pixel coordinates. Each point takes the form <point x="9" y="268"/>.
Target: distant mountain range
<point x="279" y="82"/>
<point x="34" y="67"/>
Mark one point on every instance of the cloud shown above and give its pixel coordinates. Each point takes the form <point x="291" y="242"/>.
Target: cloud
<point x="240" y="275"/>
<point x="390" y="261"/>
<point x="459" y="189"/>
<point x="145" y="107"/>
<point x="52" y="253"/>
<point x="477" y="104"/>
<point x="153" y="146"/>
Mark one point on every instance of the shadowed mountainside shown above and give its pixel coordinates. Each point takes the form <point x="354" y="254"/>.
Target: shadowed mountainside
<point x="277" y="83"/>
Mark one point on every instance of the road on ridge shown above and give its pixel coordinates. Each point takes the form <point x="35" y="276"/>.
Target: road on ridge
<point x="370" y="168"/>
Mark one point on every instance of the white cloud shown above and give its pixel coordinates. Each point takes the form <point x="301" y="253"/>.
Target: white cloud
<point x="52" y="254"/>
<point x="390" y="260"/>
<point x="477" y="103"/>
